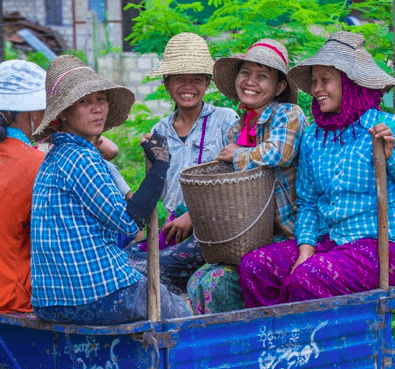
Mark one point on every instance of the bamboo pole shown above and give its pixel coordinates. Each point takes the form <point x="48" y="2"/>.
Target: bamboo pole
<point x="153" y="275"/>
<point x="382" y="210"/>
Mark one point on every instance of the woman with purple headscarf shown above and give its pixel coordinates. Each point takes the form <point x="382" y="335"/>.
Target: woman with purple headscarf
<point x="335" y="252"/>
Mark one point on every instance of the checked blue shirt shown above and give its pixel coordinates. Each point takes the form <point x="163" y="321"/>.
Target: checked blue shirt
<point x="77" y="213"/>
<point x="338" y="181"/>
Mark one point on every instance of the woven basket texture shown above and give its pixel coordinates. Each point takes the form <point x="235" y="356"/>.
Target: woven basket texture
<point x="223" y="203"/>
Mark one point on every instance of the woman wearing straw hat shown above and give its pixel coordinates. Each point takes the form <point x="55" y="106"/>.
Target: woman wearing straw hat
<point x="22" y="104"/>
<point x="79" y="275"/>
<point x="196" y="133"/>
<point x="268" y="134"/>
<point x="336" y="248"/>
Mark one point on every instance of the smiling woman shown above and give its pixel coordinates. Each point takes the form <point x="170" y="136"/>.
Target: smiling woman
<point x="268" y="134"/>
<point x="326" y="88"/>
<point x="196" y="133"/>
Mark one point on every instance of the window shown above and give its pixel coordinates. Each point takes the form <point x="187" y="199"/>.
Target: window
<point x="99" y="6"/>
<point x="53" y="12"/>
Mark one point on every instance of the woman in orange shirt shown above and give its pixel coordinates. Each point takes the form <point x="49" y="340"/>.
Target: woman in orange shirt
<point x="22" y="104"/>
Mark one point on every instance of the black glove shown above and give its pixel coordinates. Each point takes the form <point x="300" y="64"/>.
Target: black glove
<point x="156" y="151"/>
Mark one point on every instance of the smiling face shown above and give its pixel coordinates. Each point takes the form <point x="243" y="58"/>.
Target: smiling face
<point x="87" y="116"/>
<point x="187" y="90"/>
<point x="257" y="85"/>
<point x="326" y="87"/>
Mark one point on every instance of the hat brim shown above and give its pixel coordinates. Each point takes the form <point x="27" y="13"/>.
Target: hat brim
<point x="172" y="68"/>
<point x="32" y="101"/>
<point x="359" y="67"/>
<point x="120" y="100"/>
<point x="226" y="71"/>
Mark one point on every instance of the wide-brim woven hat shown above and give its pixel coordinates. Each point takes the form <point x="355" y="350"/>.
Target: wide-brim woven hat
<point x="22" y="86"/>
<point x="68" y="80"/>
<point x="268" y="52"/>
<point x="185" y="53"/>
<point x="344" y="51"/>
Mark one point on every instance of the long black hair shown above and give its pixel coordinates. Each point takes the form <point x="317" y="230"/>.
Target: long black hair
<point x="6" y="118"/>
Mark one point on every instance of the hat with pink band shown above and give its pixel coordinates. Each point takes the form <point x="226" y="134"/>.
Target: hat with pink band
<point x="268" y="52"/>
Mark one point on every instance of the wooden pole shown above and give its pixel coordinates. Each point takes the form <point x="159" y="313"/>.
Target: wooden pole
<point x="153" y="275"/>
<point x="382" y="210"/>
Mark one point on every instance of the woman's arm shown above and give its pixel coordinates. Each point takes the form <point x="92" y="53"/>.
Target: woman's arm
<point x="307" y="218"/>
<point x="108" y="149"/>
<point x="305" y="252"/>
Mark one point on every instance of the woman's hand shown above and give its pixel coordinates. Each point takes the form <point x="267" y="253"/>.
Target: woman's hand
<point x="156" y="148"/>
<point x="107" y="148"/>
<point x="227" y="153"/>
<point x="305" y="251"/>
<point x="382" y="130"/>
<point x="146" y="137"/>
<point x="180" y="227"/>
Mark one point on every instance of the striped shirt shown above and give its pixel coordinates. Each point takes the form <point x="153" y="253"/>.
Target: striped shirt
<point x="338" y="181"/>
<point x="279" y="133"/>
<point x="77" y="213"/>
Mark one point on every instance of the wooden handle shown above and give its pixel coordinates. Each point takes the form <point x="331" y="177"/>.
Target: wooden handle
<point x="382" y="210"/>
<point x="153" y="274"/>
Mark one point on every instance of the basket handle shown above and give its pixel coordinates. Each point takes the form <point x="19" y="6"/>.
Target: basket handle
<point x="211" y="243"/>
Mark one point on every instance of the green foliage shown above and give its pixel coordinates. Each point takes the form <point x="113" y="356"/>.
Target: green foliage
<point x="10" y="53"/>
<point x="159" y="21"/>
<point x="39" y="58"/>
<point x="78" y="53"/>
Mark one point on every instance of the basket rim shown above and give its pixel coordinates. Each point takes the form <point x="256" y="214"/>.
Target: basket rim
<point x="218" y="178"/>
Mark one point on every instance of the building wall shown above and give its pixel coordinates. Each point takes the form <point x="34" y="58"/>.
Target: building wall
<point x="128" y="69"/>
<point x="34" y="10"/>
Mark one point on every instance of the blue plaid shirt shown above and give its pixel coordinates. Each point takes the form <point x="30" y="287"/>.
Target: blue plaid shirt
<point x="77" y="213"/>
<point x="279" y="133"/>
<point x="338" y="182"/>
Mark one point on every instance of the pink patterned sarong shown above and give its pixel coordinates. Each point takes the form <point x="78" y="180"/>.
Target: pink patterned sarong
<point x="333" y="270"/>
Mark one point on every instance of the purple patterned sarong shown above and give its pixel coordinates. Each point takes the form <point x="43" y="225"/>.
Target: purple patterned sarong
<point x="333" y="270"/>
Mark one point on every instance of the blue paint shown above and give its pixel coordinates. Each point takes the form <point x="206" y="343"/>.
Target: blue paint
<point x="349" y="332"/>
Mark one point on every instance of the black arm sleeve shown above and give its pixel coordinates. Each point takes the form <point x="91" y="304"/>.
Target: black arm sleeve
<point x="144" y="200"/>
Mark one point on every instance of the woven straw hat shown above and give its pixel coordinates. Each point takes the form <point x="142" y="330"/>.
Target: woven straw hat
<point x="185" y="53"/>
<point x="68" y="80"/>
<point x="345" y="52"/>
<point x="268" y="52"/>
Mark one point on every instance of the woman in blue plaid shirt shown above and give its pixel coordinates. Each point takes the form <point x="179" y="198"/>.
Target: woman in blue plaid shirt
<point x="336" y="226"/>
<point x="79" y="275"/>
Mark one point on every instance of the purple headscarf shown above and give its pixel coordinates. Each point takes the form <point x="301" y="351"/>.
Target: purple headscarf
<point x="356" y="100"/>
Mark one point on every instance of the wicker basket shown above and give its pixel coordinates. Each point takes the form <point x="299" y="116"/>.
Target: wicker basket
<point x="231" y="212"/>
